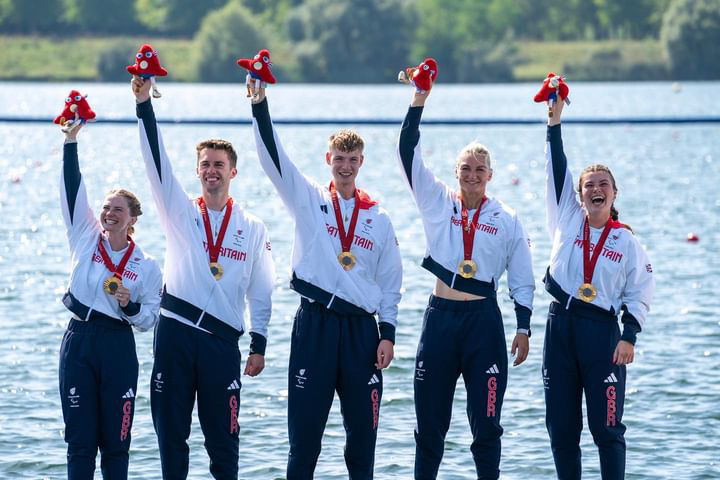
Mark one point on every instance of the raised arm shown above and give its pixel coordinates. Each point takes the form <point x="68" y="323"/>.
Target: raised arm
<point x="560" y="194"/>
<point x="425" y="187"/>
<point x="170" y="198"/>
<point x="294" y="188"/>
<point x="78" y="217"/>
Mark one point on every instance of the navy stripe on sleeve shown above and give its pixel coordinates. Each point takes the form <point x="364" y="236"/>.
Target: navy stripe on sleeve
<point x="559" y="162"/>
<point x="72" y="176"/>
<point x="409" y="138"/>
<point x="145" y="112"/>
<point x="262" y="115"/>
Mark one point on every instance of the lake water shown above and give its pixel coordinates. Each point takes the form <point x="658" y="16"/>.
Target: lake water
<point x="668" y="177"/>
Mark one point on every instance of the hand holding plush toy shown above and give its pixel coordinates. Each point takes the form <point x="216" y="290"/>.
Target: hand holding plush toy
<point x="258" y="69"/>
<point x="147" y="65"/>
<point x="76" y="111"/>
<point x="422" y="76"/>
<point x="552" y="86"/>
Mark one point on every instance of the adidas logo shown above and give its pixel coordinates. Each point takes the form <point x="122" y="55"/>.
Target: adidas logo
<point x="234" y="385"/>
<point x="373" y="380"/>
<point x="129" y="394"/>
<point x="611" y="379"/>
<point x="493" y="370"/>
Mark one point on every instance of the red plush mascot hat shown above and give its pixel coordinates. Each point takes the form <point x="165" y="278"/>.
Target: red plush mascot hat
<point x="75" y="103"/>
<point x="424" y="73"/>
<point x="548" y="89"/>
<point x="259" y="66"/>
<point x="147" y="63"/>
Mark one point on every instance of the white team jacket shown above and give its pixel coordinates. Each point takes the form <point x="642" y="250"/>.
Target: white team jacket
<point x="623" y="274"/>
<point x="374" y="283"/>
<point x="500" y="240"/>
<point x="245" y="254"/>
<point x="141" y="276"/>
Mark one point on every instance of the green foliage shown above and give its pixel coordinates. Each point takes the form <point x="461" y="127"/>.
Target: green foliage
<point x="350" y="41"/>
<point x="691" y="35"/>
<point x="107" y="16"/>
<point x="225" y="35"/>
<point x="608" y="64"/>
<point x="174" y="16"/>
<point x="31" y="16"/>
<point x="113" y="60"/>
<point x="466" y="43"/>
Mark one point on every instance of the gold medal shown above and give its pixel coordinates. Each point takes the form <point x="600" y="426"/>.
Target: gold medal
<point x="587" y="292"/>
<point x="347" y="260"/>
<point x="111" y="285"/>
<point x="467" y="269"/>
<point x="217" y="270"/>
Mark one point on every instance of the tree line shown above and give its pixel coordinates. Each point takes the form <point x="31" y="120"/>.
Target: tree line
<point x="359" y="40"/>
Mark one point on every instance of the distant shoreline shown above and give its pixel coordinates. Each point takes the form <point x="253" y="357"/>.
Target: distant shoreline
<point x="57" y="59"/>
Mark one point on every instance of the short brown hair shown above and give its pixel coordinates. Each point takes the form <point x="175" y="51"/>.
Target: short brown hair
<point x="132" y="201"/>
<point x="217" y="144"/>
<point x="346" y="141"/>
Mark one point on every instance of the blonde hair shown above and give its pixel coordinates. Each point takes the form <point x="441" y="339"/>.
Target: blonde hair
<point x="474" y="149"/>
<point x="346" y="141"/>
<point x="133" y="204"/>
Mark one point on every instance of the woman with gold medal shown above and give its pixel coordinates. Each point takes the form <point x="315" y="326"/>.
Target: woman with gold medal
<point x="113" y="287"/>
<point x="597" y="269"/>
<point x="472" y="239"/>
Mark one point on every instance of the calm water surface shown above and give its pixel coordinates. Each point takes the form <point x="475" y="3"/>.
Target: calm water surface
<point x="668" y="178"/>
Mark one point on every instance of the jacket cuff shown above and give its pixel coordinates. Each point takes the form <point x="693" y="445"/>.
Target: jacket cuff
<point x="522" y="315"/>
<point x="144" y="109"/>
<point x="387" y="331"/>
<point x="257" y="343"/>
<point x="631" y="327"/>
<point x="131" y="309"/>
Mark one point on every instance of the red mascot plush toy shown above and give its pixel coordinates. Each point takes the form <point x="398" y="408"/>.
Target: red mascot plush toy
<point x="422" y="76"/>
<point x="258" y="69"/>
<point x="553" y="86"/>
<point x="76" y="111"/>
<point x="147" y="65"/>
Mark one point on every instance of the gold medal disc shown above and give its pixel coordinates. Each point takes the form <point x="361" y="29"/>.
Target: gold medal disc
<point x="587" y="292"/>
<point x="467" y="269"/>
<point x="347" y="260"/>
<point x="111" y="285"/>
<point x="217" y="270"/>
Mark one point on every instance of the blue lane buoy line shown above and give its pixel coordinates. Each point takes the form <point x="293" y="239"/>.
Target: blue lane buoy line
<point x="393" y="121"/>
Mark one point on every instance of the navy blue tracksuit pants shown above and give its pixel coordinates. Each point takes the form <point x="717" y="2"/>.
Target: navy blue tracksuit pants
<point x="189" y="361"/>
<point x="332" y="352"/>
<point x="98" y="381"/>
<point x="460" y="337"/>
<point x="579" y="346"/>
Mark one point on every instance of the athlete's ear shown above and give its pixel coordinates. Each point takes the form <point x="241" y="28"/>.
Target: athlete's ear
<point x="361" y="160"/>
<point x="233" y="172"/>
<point x="328" y="158"/>
<point x="132" y="221"/>
<point x="490" y="175"/>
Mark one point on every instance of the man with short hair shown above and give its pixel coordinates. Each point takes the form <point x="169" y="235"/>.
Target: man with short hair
<point x="218" y="257"/>
<point x="346" y="267"/>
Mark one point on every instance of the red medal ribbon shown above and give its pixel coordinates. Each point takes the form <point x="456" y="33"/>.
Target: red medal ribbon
<point x="588" y="262"/>
<point x="345" y="240"/>
<point x="214" y="247"/>
<point x="120" y="269"/>
<point x="468" y="231"/>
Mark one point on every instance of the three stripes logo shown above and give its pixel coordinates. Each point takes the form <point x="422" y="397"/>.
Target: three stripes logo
<point x="129" y="394"/>
<point x="234" y="385"/>
<point x="373" y="380"/>
<point x="494" y="370"/>
<point x="611" y="379"/>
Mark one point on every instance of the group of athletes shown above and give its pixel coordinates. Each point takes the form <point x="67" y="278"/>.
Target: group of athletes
<point x="346" y="267"/>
